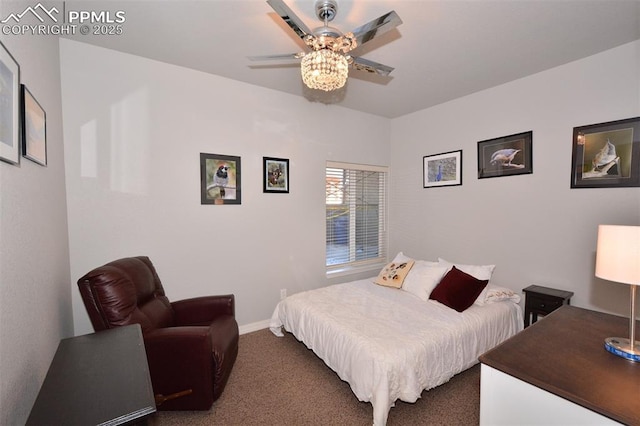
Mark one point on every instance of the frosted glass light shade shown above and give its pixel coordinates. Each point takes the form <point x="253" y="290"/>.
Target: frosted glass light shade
<point x="618" y="259"/>
<point x="618" y="254"/>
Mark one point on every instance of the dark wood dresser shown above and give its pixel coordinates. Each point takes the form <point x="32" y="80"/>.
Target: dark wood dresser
<point x="564" y="355"/>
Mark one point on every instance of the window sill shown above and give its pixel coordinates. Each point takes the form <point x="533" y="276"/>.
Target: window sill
<point x="352" y="270"/>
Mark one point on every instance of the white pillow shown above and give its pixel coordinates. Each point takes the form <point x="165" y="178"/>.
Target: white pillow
<point x="401" y="258"/>
<point x="423" y="278"/>
<point x="498" y="294"/>
<point x="481" y="272"/>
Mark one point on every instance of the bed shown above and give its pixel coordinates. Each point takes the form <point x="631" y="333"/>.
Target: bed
<point x="389" y="344"/>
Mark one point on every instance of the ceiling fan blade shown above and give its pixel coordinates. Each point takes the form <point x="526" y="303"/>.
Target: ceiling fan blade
<point x="376" y="27"/>
<point x="289" y="17"/>
<point x="276" y="57"/>
<point x="362" y="64"/>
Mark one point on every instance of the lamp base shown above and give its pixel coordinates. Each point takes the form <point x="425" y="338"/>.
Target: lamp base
<point x="621" y="347"/>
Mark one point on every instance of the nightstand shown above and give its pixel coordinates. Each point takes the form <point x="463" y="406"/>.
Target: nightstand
<point x="542" y="301"/>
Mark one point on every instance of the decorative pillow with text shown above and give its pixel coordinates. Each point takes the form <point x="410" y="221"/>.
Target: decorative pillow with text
<point x="394" y="273"/>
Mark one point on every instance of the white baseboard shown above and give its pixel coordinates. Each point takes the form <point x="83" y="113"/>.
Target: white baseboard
<point x="255" y="326"/>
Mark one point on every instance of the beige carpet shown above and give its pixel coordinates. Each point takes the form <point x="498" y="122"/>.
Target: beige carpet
<point x="278" y="381"/>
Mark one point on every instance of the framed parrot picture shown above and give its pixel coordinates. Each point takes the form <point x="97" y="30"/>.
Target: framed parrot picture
<point x="505" y="156"/>
<point x="219" y="179"/>
<point x="606" y="155"/>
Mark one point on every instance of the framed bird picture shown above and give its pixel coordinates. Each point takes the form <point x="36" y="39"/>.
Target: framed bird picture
<point x="275" y="175"/>
<point x="34" y="129"/>
<point x="505" y="156"/>
<point x="219" y="179"/>
<point x="606" y="155"/>
<point x="9" y="107"/>
<point x="442" y="169"/>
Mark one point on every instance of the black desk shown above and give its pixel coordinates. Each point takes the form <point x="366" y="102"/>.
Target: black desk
<point x="96" y="379"/>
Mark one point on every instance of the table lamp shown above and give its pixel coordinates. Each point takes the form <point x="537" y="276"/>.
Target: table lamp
<point x="618" y="259"/>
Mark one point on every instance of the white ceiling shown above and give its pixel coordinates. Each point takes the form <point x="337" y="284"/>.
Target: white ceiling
<point x="444" y="49"/>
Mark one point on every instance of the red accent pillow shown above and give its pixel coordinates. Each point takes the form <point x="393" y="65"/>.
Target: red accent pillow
<point x="458" y="290"/>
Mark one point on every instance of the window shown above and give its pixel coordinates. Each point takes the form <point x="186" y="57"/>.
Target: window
<point x="355" y="215"/>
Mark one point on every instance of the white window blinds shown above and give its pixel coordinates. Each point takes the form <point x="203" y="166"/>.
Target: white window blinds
<point x="355" y="214"/>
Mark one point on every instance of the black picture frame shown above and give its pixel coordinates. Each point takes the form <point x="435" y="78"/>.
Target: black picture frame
<point x="34" y="129"/>
<point x="506" y="156"/>
<point x="275" y="175"/>
<point x="9" y="107"/>
<point x="220" y="181"/>
<point x="440" y="170"/>
<point x="606" y="155"/>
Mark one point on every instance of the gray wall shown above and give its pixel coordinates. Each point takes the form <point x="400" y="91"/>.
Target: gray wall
<point x="534" y="228"/>
<point x="35" y="299"/>
<point x="133" y="177"/>
<point x="126" y="198"/>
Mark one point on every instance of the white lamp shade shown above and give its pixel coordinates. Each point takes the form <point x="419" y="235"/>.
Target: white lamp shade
<point x="618" y="254"/>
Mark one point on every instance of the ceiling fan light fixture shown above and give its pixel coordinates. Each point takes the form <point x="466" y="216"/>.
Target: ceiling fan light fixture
<point x="324" y="70"/>
<point x="326" y="66"/>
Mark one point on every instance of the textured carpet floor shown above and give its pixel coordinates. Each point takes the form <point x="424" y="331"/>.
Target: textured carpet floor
<point x="278" y="381"/>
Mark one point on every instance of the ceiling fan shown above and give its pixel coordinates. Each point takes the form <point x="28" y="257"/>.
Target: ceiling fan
<point x="325" y="66"/>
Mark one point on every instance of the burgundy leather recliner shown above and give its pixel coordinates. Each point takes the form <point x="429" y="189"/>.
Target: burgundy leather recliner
<point x="191" y="344"/>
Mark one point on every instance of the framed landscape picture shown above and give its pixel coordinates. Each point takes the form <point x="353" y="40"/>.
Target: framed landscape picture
<point x="34" y="129"/>
<point x="442" y="169"/>
<point x="275" y="175"/>
<point x="9" y="107"/>
<point x="505" y="156"/>
<point x="219" y="179"/>
<point x="606" y="155"/>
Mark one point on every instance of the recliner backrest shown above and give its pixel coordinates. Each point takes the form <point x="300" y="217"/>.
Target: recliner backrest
<point x="126" y="291"/>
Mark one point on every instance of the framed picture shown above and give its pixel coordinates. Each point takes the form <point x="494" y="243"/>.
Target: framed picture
<point x="606" y="155"/>
<point x="442" y="169"/>
<point x="275" y="175"/>
<point x="9" y="107"/>
<point x="34" y="129"/>
<point x="505" y="156"/>
<point x="219" y="179"/>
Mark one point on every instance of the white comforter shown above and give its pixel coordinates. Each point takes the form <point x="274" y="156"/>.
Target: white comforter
<point x="388" y="344"/>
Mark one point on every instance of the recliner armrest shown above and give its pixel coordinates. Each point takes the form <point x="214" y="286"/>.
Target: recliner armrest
<point x="203" y="310"/>
<point x="173" y="347"/>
